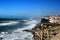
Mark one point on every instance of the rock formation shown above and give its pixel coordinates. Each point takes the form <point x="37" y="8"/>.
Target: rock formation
<point x="44" y="30"/>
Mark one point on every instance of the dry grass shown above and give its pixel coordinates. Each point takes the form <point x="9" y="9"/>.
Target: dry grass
<point x="57" y="37"/>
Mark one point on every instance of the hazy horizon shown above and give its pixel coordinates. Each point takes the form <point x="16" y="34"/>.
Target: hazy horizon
<point x="28" y="8"/>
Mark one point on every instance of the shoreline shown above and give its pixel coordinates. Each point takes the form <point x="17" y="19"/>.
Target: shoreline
<point x="44" y="31"/>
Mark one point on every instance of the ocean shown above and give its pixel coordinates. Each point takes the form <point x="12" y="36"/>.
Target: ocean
<point x="13" y="29"/>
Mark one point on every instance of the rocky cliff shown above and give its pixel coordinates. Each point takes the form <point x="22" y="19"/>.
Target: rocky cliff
<point x="45" y="30"/>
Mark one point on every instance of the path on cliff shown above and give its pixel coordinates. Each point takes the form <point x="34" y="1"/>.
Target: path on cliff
<point x="57" y="37"/>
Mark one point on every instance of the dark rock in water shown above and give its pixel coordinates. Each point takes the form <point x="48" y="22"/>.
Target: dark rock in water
<point x="27" y="30"/>
<point x="1" y="38"/>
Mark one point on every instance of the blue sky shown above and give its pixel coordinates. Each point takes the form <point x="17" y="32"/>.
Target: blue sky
<point x="28" y="8"/>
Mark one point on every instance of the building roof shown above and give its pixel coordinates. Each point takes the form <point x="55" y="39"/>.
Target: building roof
<point x="52" y="16"/>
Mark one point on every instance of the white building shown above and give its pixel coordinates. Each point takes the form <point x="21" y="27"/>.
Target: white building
<point x="53" y="18"/>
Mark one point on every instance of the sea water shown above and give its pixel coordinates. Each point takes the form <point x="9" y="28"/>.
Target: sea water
<point x="13" y="30"/>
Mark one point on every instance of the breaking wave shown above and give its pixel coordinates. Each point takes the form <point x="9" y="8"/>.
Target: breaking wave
<point x="18" y="33"/>
<point x="9" y="23"/>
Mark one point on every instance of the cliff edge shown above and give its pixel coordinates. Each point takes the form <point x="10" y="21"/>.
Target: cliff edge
<point x="46" y="30"/>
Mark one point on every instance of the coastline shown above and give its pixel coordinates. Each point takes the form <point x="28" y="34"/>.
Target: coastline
<point x="45" y="31"/>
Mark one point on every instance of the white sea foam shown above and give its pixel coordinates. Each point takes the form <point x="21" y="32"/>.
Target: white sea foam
<point x="2" y="34"/>
<point x="30" y="25"/>
<point x="18" y="34"/>
<point x="8" y="23"/>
